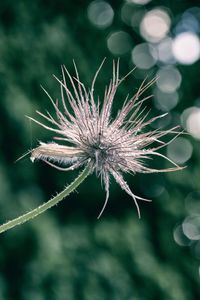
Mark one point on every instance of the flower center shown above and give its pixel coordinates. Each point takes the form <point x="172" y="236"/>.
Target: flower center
<point x="100" y="154"/>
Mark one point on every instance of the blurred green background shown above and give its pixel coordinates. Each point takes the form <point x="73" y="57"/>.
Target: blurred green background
<point x="67" y="253"/>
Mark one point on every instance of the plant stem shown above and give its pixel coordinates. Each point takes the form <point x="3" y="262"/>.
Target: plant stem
<point x="42" y="208"/>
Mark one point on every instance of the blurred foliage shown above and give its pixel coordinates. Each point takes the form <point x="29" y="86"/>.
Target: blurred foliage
<point x="67" y="253"/>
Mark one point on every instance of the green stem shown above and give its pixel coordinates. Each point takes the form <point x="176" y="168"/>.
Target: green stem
<point x="42" y="208"/>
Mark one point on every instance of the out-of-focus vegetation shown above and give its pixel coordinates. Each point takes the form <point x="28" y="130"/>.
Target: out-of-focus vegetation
<point x="67" y="253"/>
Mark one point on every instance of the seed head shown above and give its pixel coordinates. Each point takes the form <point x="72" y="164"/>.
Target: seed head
<point x="109" y="146"/>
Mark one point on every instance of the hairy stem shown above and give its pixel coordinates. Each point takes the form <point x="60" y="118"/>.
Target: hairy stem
<point x="42" y="208"/>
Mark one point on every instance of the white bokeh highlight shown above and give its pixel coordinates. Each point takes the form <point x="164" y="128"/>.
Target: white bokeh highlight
<point x="186" y="48"/>
<point x="193" y="123"/>
<point x="155" y="25"/>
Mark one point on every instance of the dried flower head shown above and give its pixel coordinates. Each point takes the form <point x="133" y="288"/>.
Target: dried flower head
<point x="109" y="146"/>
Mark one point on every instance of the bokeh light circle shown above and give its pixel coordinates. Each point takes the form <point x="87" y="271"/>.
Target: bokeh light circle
<point x="180" y="150"/>
<point x="141" y="2"/>
<point x="191" y="227"/>
<point x="192" y="202"/>
<point x="186" y="48"/>
<point x="165" y="53"/>
<point x="119" y="42"/>
<point x="165" y="101"/>
<point x="180" y="237"/>
<point x="155" y="25"/>
<point x="192" y="121"/>
<point x="142" y="57"/>
<point x="100" y="14"/>
<point x="169" y="79"/>
<point x="188" y="22"/>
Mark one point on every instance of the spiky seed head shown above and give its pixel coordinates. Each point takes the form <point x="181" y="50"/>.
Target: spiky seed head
<point x="109" y="146"/>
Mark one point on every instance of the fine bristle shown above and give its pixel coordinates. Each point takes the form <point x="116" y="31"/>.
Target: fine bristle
<point x="109" y="146"/>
